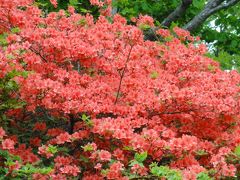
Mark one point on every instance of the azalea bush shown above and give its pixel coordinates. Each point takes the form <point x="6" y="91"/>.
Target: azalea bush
<point x="86" y="99"/>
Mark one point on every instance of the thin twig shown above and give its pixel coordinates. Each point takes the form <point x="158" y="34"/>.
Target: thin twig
<point x="122" y="74"/>
<point x="38" y="53"/>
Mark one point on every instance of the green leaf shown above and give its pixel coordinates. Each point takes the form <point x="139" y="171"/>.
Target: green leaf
<point x="83" y="10"/>
<point x="203" y="176"/>
<point x="133" y="162"/>
<point x="11" y="85"/>
<point x="144" y="27"/>
<point x="159" y="171"/>
<point x="87" y="147"/>
<point x="165" y="172"/>
<point x="30" y="169"/>
<point x="104" y="171"/>
<point x="141" y="157"/>
<point x="52" y="149"/>
<point x="84" y="159"/>
<point x="3" y="171"/>
<point x="87" y="120"/>
<point x="128" y="148"/>
<point x="201" y="153"/>
<point x="10" y="56"/>
<point x="234" y="43"/>
<point x="211" y="68"/>
<point x="25" y="74"/>
<point x="15" y="30"/>
<point x="3" y="41"/>
<point x="85" y="117"/>
<point x="73" y="2"/>
<point x="154" y="75"/>
<point x="198" y="4"/>
<point x="237" y="151"/>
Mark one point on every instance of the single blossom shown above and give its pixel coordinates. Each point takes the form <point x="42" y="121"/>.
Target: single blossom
<point x="8" y="144"/>
<point x="2" y="133"/>
<point x="104" y="155"/>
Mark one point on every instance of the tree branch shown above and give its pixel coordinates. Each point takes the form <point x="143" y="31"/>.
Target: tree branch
<point x="122" y="74"/>
<point x="39" y="54"/>
<point x="212" y="7"/>
<point x="226" y="5"/>
<point x="114" y="9"/>
<point x="71" y="123"/>
<point x="177" y="13"/>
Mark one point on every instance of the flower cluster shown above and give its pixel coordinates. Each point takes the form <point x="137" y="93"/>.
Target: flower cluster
<point x="102" y="102"/>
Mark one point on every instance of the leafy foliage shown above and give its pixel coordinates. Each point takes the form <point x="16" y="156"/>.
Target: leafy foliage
<point x="165" y="172"/>
<point x="203" y="176"/>
<point x="81" y="6"/>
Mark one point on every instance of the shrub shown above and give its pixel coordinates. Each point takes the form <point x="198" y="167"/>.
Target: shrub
<point x="101" y="102"/>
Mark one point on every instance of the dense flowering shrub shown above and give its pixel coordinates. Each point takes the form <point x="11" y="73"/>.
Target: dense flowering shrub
<point x="100" y="102"/>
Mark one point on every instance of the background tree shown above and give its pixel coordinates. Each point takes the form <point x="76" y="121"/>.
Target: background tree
<point x="215" y="21"/>
<point x="81" y="6"/>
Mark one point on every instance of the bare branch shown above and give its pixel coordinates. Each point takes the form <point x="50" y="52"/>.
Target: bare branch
<point x="177" y="13"/>
<point x="225" y="5"/>
<point x="122" y="74"/>
<point x="114" y="9"/>
<point x="212" y="7"/>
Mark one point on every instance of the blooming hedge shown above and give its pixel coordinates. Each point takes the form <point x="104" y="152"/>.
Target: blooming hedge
<point x="91" y="99"/>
